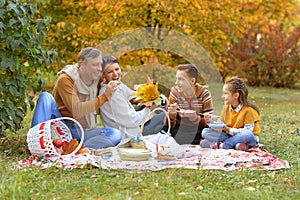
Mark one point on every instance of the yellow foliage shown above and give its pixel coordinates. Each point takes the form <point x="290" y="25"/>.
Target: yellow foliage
<point x="148" y="92"/>
<point x="213" y="24"/>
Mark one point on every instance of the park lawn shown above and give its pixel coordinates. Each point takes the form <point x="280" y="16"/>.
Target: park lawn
<point x="280" y="123"/>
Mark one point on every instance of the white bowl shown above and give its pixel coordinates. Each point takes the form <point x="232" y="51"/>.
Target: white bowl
<point x="216" y="125"/>
<point x="131" y="154"/>
<point x="187" y="111"/>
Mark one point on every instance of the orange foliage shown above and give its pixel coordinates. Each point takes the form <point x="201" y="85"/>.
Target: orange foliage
<point x="216" y="25"/>
<point x="148" y="92"/>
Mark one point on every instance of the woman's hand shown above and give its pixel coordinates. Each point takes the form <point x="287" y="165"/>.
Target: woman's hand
<point x="153" y="106"/>
<point x="111" y="87"/>
<point x="135" y="101"/>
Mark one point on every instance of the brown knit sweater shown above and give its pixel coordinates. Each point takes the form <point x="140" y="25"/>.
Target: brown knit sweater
<point x="71" y="103"/>
<point x="201" y="101"/>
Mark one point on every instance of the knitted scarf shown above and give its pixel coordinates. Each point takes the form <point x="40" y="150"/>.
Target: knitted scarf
<point x="89" y="91"/>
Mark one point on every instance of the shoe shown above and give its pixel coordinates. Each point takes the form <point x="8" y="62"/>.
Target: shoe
<point x="217" y="145"/>
<point x="242" y="146"/>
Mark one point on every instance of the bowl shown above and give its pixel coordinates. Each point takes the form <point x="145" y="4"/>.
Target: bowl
<point x="187" y="111"/>
<point x="216" y="125"/>
<point x="131" y="154"/>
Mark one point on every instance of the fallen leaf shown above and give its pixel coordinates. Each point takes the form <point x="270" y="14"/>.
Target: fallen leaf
<point x="266" y="128"/>
<point x="113" y="174"/>
<point x="249" y="188"/>
<point x="200" y="187"/>
<point x="253" y="181"/>
<point x="21" y="150"/>
<point x="94" y="176"/>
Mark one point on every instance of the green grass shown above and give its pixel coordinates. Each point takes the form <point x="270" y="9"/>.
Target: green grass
<point x="280" y="123"/>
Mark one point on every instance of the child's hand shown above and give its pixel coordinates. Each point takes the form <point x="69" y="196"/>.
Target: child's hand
<point x="208" y="118"/>
<point x="226" y="129"/>
<point x="172" y="109"/>
<point x="164" y="100"/>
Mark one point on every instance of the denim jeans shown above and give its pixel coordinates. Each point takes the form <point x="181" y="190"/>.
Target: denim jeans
<point x="45" y="109"/>
<point x="95" y="138"/>
<point x="185" y="134"/>
<point x="154" y="125"/>
<point x="211" y="136"/>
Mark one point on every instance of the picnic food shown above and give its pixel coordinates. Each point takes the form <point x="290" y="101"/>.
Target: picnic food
<point x="165" y="156"/>
<point x="58" y="142"/>
<point x="138" y="143"/>
<point x="131" y="154"/>
<point x="64" y="148"/>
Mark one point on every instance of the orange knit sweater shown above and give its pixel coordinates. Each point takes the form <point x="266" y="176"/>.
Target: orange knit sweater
<point x="71" y="103"/>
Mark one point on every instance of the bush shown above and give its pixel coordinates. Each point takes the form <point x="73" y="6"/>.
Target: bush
<point x="21" y="54"/>
<point x="266" y="58"/>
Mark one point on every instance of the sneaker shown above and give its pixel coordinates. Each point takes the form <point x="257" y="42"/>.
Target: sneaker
<point x="217" y="145"/>
<point x="242" y="146"/>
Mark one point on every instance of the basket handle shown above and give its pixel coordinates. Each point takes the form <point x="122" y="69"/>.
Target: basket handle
<point x="148" y="115"/>
<point x="80" y="127"/>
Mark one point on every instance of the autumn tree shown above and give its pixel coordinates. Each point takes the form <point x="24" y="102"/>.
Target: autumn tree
<point x="216" y="25"/>
<point x="266" y="58"/>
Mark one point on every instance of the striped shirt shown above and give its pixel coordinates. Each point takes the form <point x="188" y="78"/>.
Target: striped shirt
<point x="201" y="101"/>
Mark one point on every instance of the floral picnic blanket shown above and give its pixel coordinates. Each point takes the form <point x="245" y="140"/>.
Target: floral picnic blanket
<point x="206" y="159"/>
<point x="196" y="158"/>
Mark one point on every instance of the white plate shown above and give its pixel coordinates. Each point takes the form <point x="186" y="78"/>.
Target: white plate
<point x="216" y="125"/>
<point x="187" y="111"/>
<point x="131" y="154"/>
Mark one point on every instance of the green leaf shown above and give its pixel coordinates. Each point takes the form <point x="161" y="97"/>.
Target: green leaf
<point x="15" y="44"/>
<point x="12" y="22"/>
<point x="9" y="82"/>
<point x="23" y="21"/>
<point x="13" y="91"/>
<point x="2" y="2"/>
<point x="23" y="9"/>
<point x="7" y="63"/>
<point x="2" y="13"/>
<point x="13" y="6"/>
<point x="32" y="9"/>
<point x="10" y="123"/>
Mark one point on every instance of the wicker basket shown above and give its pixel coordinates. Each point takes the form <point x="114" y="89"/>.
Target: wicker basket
<point x="40" y="137"/>
<point x="137" y="142"/>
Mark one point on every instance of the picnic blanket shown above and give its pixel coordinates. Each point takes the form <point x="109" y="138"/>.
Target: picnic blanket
<point x="196" y="158"/>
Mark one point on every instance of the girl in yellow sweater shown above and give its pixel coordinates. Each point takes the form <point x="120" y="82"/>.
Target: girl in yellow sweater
<point x="240" y="116"/>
